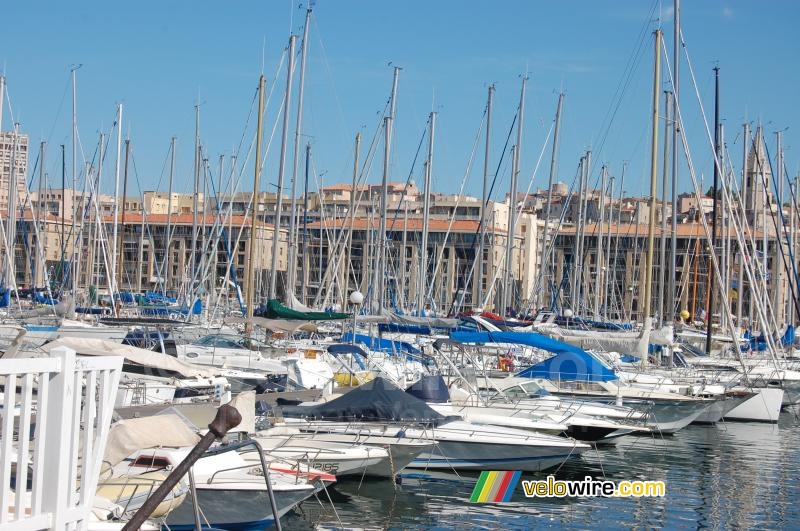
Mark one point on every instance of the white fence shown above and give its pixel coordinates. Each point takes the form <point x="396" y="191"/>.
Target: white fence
<point x="48" y="481"/>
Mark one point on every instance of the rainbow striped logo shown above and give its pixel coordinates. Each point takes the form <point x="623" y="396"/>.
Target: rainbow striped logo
<point x="495" y="486"/>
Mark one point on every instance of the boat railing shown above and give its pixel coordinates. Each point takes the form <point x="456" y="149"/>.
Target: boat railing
<point x="60" y="453"/>
<point x="252" y="446"/>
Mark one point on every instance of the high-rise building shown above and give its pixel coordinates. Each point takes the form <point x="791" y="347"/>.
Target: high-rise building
<point x="13" y="149"/>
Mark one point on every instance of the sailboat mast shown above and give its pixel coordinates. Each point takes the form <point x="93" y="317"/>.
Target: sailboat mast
<point x="195" y="198"/>
<point x="112" y="285"/>
<point x="306" y="263"/>
<point x="710" y="310"/>
<point x="351" y="214"/>
<point x="485" y="202"/>
<point x="40" y="213"/>
<point x="651" y="229"/>
<point x="202" y="232"/>
<point x="580" y="279"/>
<point x="168" y="235"/>
<point x="504" y="299"/>
<point x="662" y="257"/>
<point x="576" y="259"/>
<point x="401" y="298"/>
<point x="250" y="265"/>
<point x="553" y="169"/>
<point x="607" y="263"/>
<point x="508" y="292"/>
<point x="292" y="272"/>
<point x="426" y="205"/>
<point x="676" y="62"/>
<point x="380" y="259"/>
<point x="619" y="230"/>
<point x="141" y="249"/>
<point x="779" y="302"/>
<point x="742" y="251"/>
<point x="287" y="102"/>
<point x="380" y="249"/>
<point x="599" y="276"/>
<point x="120" y="268"/>
<point x="75" y="258"/>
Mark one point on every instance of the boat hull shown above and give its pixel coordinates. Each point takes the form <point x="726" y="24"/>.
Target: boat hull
<point x="765" y="406"/>
<point x="462" y="455"/>
<point x="235" y="510"/>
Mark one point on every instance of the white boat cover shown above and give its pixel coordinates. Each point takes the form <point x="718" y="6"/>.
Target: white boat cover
<point x="140" y="356"/>
<point x="245" y="404"/>
<point x="434" y="322"/>
<point x="277" y="325"/>
<point x="626" y="342"/>
<point x="293" y="303"/>
<point x="129" y="436"/>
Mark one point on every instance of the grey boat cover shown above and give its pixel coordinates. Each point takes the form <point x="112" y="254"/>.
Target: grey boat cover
<point x="378" y="400"/>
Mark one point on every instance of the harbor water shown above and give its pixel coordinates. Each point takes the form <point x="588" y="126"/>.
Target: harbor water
<point x="731" y="475"/>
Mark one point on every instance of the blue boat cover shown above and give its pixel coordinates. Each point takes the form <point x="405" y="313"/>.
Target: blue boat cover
<point x="569" y="362"/>
<point x="376" y="400"/>
<point x="126" y="297"/>
<point x="153" y="297"/>
<point x="405" y="329"/>
<point x="342" y="348"/>
<point x="91" y="310"/>
<point x="571" y="366"/>
<point x="788" y="337"/>
<point x="41" y="298"/>
<point x="532" y="339"/>
<point x="431" y="389"/>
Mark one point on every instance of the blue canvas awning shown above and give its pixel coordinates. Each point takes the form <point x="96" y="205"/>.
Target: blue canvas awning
<point x="571" y="366"/>
<point x="531" y="339"/>
<point x="569" y="362"/>
<point x="405" y="329"/>
<point x="342" y="348"/>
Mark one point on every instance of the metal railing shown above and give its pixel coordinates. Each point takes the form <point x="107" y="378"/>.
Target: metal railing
<point x="49" y="467"/>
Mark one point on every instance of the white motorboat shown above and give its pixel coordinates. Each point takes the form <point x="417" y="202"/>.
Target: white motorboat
<point x="378" y="408"/>
<point x="336" y="458"/>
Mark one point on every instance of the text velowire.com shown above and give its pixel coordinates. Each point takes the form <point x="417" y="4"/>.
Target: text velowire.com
<point x="590" y="487"/>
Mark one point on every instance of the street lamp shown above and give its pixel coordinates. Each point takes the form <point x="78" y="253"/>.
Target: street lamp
<point x="568" y="313"/>
<point x="356" y="299"/>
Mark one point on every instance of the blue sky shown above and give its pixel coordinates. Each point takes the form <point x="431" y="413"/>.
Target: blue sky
<point x="158" y="58"/>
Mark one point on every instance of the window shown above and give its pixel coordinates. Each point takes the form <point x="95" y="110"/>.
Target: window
<point x="151" y="461"/>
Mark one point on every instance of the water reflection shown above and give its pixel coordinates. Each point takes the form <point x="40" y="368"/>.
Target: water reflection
<point x="729" y="475"/>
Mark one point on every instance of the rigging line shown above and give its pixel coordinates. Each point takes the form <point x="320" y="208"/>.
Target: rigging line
<point x="77" y="238"/>
<point x="233" y="183"/>
<point x="161" y="175"/>
<point x="366" y="167"/>
<point x="533" y="177"/>
<point x="622" y="87"/>
<point x="779" y="231"/>
<point x="329" y="72"/>
<point x="467" y="172"/>
<point x="485" y="205"/>
<point x="408" y="182"/>
<point x="550" y="246"/>
<point x="58" y="111"/>
<point x="760" y="306"/>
